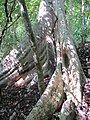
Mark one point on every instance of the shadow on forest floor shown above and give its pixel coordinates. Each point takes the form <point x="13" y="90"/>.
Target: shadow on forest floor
<point x="17" y="102"/>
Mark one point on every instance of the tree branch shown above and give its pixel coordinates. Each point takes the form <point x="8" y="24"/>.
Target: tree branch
<point x="32" y="40"/>
<point x="8" y="16"/>
<point x="14" y="21"/>
<point x="12" y="9"/>
<point x="6" y="11"/>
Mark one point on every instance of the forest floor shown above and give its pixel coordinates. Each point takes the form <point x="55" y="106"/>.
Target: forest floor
<point x="83" y="110"/>
<point x="16" y="102"/>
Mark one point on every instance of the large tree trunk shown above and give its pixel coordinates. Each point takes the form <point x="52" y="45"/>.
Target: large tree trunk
<point x="83" y="22"/>
<point x="51" y="99"/>
<point x="20" y="60"/>
<point x="73" y="76"/>
<point x="24" y="64"/>
<point x="71" y="64"/>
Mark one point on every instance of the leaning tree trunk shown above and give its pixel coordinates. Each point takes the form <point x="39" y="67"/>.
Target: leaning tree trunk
<point x="20" y="63"/>
<point x="73" y="72"/>
<point x="32" y="40"/>
<point x="54" y="93"/>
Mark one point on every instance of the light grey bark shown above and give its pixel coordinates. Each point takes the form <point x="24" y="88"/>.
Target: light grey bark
<point x="72" y="76"/>
<point x="54" y="93"/>
<point x="70" y="15"/>
<point x="68" y="111"/>
<point x="51" y="99"/>
<point x="30" y="34"/>
<point x="83" y="21"/>
<point x="20" y="58"/>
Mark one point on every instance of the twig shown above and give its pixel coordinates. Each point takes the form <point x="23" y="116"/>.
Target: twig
<point x="14" y="21"/>
<point x="8" y="15"/>
<point x="6" y="11"/>
<point x="12" y="9"/>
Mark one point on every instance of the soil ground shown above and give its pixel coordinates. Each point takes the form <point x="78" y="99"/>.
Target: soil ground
<point x="17" y="102"/>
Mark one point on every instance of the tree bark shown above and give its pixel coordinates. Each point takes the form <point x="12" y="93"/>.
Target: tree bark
<point x="68" y="111"/>
<point x="31" y="37"/>
<point x="70" y="16"/>
<point x="51" y="99"/>
<point x="75" y="76"/>
<point x="20" y="59"/>
<point x="83" y="22"/>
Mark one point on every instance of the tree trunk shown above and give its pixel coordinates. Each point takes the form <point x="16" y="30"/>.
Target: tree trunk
<point x="73" y="76"/>
<point x="70" y="16"/>
<point x="71" y="64"/>
<point x="54" y="95"/>
<point x="51" y="99"/>
<point x="31" y="37"/>
<point x="83" y="21"/>
<point x="20" y="59"/>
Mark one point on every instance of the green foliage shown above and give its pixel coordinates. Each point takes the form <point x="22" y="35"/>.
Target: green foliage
<point x="2" y="14"/>
<point x="57" y="114"/>
<point x="16" y="32"/>
<point x="77" y="19"/>
<point x="32" y="6"/>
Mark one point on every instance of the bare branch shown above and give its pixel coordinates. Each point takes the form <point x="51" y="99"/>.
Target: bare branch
<point x="8" y="16"/>
<point x="6" y="10"/>
<point x="14" y="21"/>
<point x="12" y="9"/>
<point x="5" y="28"/>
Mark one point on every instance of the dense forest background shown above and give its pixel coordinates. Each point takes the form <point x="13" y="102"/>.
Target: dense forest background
<point x="14" y="30"/>
<point x="77" y="13"/>
<point x="42" y="43"/>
